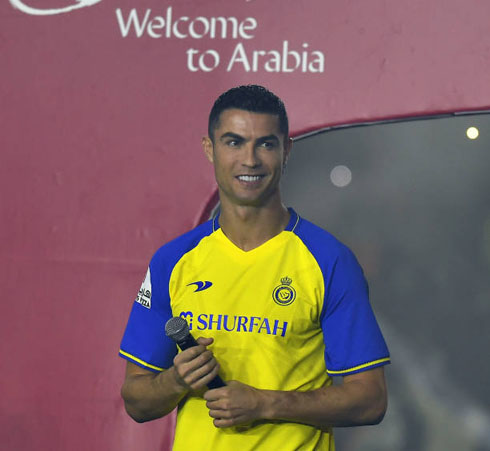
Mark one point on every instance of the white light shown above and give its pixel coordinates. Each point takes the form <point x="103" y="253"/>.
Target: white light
<point x="472" y="133"/>
<point x="341" y="176"/>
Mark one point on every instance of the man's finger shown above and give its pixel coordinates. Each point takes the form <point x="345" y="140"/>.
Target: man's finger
<point x="202" y="376"/>
<point x="190" y="354"/>
<point x="198" y="368"/>
<point x="219" y="423"/>
<point x="216" y="393"/>
<point x="205" y="341"/>
<point x="229" y="422"/>
<point x="186" y="367"/>
<point x="214" y="405"/>
<point x="220" y="414"/>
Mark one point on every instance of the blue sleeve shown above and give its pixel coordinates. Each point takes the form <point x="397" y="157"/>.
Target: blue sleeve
<point x="144" y="342"/>
<point x="353" y="339"/>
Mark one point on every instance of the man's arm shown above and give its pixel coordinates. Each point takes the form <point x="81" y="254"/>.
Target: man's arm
<point x="148" y="395"/>
<point x="360" y="400"/>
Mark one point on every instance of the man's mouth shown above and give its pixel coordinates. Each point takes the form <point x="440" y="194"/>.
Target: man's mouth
<point x="249" y="178"/>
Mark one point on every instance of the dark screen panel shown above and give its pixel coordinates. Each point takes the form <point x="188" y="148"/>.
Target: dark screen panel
<point x="412" y="200"/>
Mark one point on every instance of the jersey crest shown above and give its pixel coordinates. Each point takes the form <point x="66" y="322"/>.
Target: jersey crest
<point x="284" y="294"/>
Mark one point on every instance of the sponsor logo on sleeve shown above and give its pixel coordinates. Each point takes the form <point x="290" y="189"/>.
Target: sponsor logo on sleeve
<point x="144" y="295"/>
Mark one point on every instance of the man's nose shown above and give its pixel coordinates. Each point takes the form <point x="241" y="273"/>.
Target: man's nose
<point x="251" y="158"/>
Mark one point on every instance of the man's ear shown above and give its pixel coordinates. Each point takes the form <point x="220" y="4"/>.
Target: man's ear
<point x="288" y="146"/>
<point x="207" y="146"/>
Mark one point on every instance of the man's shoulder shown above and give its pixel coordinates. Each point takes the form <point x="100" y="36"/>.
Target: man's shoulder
<point x="173" y="250"/>
<point x="328" y="251"/>
<point x="318" y="239"/>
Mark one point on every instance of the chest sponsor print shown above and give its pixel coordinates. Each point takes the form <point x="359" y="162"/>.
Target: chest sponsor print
<point x="235" y="323"/>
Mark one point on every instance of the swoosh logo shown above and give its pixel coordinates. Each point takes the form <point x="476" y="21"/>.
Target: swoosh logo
<point x="201" y="285"/>
<point x="51" y="11"/>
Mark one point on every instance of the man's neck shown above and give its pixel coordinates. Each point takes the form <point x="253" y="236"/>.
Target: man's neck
<point x="248" y="227"/>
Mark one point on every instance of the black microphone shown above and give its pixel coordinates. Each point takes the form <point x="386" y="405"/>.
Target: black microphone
<point x="177" y="329"/>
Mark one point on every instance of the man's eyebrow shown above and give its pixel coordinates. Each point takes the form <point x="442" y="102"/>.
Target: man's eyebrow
<point x="231" y="135"/>
<point x="270" y="137"/>
<point x="238" y="137"/>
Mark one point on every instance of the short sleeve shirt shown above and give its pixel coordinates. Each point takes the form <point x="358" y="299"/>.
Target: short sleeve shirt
<point x="284" y="316"/>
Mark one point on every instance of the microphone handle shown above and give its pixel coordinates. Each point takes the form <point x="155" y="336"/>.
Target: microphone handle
<point x="188" y="342"/>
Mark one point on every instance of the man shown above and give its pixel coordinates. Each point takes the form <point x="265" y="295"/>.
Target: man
<point x="278" y="305"/>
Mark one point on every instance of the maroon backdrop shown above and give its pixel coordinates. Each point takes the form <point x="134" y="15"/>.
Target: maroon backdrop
<point x="103" y="104"/>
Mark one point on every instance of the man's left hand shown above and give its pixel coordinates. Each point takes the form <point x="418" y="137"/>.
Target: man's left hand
<point x="233" y="405"/>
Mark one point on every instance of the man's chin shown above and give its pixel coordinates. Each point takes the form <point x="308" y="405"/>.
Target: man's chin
<point x="249" y="198"/>
<point x="252" y="201"/>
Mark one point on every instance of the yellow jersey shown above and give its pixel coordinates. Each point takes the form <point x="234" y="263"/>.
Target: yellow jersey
<point x="284" y="316"/>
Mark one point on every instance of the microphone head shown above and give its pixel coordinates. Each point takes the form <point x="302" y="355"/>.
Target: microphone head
<point x="177" y="329"/>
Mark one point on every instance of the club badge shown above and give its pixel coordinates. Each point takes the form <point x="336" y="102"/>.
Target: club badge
<point x="284" y="294"/>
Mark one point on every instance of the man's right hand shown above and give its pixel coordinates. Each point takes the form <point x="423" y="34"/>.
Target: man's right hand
<point x="148" y="395"/>
<point x="196" y="367"/>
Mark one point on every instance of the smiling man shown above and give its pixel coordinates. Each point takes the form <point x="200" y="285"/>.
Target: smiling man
<point x="248" y="151"/>
<point x="279" y="306"/>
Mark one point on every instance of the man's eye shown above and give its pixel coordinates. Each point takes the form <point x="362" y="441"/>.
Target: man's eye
<point x="267" y="145"/>
<point x="233" y="143"/>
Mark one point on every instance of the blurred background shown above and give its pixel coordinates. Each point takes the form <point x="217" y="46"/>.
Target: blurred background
<point x="412" y="199"/>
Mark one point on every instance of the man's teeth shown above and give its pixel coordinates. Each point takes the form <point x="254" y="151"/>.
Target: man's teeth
<point x="249" y="178"/>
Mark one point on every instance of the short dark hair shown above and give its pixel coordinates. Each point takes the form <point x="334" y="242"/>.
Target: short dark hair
<point x="253" y="98"/>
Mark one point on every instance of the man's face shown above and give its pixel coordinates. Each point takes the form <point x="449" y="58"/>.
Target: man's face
<point x="248" y="154"/>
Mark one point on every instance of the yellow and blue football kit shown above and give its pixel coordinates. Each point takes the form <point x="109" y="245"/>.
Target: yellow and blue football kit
<point x="284" y="316"/>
